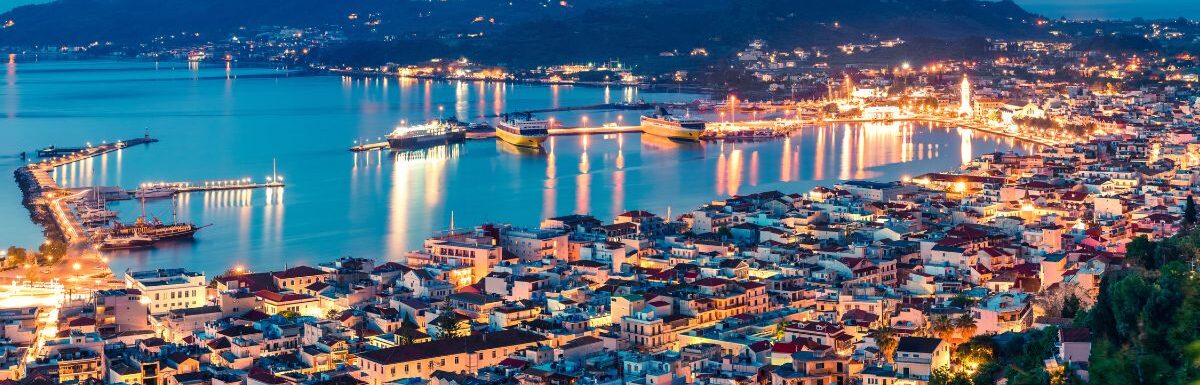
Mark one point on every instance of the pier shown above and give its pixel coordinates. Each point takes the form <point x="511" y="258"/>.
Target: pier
<point x="73" y="155"/>
<point x="593" y="130"/>
<point x="369" y="146"/>
<point x="217" y="185"/>
<point x="606" y="106"/>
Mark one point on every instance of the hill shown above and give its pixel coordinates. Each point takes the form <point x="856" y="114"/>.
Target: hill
<point x="524" y="31"/>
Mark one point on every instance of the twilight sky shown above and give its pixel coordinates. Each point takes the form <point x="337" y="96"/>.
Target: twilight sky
<point x="1074" y="9"/>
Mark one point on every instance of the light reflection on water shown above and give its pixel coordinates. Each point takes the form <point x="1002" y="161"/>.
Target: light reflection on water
<point x="383" y="203"/>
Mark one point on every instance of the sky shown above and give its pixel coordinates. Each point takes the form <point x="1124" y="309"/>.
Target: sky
<point x="1112" y="9"/>
<point x="1072" y="9"/>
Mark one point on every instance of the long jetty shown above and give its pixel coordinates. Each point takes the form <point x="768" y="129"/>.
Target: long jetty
<point x="216" y="185"/>
<point x="47" y="201"/>
<point x="605" y="106"/>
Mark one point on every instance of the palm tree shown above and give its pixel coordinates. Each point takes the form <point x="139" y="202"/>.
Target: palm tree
<point x="941" y="327"/>
<point x="885" y="338"/>
<point x="965" y="325"/>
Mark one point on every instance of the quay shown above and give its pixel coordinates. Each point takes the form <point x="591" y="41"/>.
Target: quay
<point x="593" y="130"/>
<point x="217" y="185"/>
<point x="83" y="153"/>
<point x="605" y="106"/>
<point x="369" y="146"/>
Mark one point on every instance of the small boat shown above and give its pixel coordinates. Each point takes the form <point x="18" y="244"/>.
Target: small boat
<point x="154" y="192"/>
<point x="126" y="242"/>
<point x="97" y="214"/>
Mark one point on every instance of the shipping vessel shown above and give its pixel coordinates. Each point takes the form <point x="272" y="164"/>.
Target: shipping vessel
<point x="523" y="130"/>
<point x="425" y="135"/>
<point x="661" y="123"/>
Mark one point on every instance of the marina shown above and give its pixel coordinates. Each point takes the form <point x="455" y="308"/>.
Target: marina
<point x="384" y="203"/>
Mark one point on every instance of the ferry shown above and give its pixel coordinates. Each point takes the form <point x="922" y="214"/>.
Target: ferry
<point x="661" y="123"/>
<point x="524" y="132"/>
<point x="154" y="192"/>
<point x="425" y="135"/>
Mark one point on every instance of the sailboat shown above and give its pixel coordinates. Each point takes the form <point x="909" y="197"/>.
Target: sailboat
<point x="155" y="229"/>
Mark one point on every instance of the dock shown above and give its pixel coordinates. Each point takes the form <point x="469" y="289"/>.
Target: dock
<point x="72" y="155"/>
<point x="217" y="185"/>
<point x="369" y="146"/>
<point x="595" y="107"/>
<point x="593" y="130"/>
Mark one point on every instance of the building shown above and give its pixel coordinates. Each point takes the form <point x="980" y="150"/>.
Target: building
<point x="168" y="289"/>
<point x="463" y="354"/>
<point x="918" y="357"/>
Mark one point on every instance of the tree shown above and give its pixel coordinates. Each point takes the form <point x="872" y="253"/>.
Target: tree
<point x="52" y="251"/>
<point x="332" y="313"/>
<point x="15" y="256"/>
<point x="1070" y="306"/>
<point x="942" y="376"/>
<point x="446" y="325"/>
<point x="779" y="329"/>
<point x="1189" y="214"/>
<point x="885" y="338"/>
<point x="941" y="327"/>
<point x="964" y="326"/>
<point x="289" y="314"/>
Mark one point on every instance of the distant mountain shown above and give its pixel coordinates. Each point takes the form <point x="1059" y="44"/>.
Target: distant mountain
<point x="524" y="31"/>
<point x="77" y="22"/>
<point x="648" y="28"/>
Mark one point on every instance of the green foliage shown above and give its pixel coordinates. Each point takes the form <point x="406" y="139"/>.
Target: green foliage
<point x="446" y="325"/>
<point x="1146" y="321"/>
<point x="941" y="376"/>
<point x="15" y="256"/>
<point x="1071" y="306"/>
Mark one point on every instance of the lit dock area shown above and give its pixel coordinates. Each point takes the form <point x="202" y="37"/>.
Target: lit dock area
<point x="216" y="185"/>
<point x="593" y="130"/>
<point x="83" y="153"/>
<point x="369" y="146"/>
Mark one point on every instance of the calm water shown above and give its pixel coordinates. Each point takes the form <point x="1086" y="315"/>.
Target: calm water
<point x="229" y="124"/>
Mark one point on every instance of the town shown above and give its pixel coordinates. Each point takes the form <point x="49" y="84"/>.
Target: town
<point x="867" y="282"/>
<point x="1070" y="258"/>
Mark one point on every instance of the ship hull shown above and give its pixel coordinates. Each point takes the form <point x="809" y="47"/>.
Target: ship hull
<point x="520" y="140"/>
<point x="412" y="143"/>
<point x="671" y="132"/>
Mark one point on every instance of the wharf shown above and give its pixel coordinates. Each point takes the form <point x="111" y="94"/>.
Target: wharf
<point x="90" y="152"/>
<point x="187" y="187"/>
<point x="369" y="146"/>
<point x="606" y="106"/>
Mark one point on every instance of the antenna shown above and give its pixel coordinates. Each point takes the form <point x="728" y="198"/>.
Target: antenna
<point x="274" y="177"/>
<point x="451" y="221"/>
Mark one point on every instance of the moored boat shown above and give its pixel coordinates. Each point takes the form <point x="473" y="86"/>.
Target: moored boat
<point x="661" y="123"/>
<point x="524" y="131"/>
<point x="425" y="135"/>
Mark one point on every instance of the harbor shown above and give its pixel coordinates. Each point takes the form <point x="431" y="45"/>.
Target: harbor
<point x="80" y="216"/>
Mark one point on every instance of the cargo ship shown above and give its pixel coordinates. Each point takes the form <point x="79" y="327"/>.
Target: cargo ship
<point x="523" y="131"/>
<point x="426" y="135"/>
<point x="661" y="123"/>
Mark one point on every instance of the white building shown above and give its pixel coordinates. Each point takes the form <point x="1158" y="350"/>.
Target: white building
<point x="168" y="289"/>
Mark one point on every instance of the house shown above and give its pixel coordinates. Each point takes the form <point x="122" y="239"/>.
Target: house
<point x="918" y="357"/>
<point x="377" y="367"/>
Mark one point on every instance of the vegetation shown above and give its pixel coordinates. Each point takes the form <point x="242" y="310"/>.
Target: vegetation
<point x="1145" y="327"/>
<point x="446" y="325"/>
<point x="1146" y="323"/>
